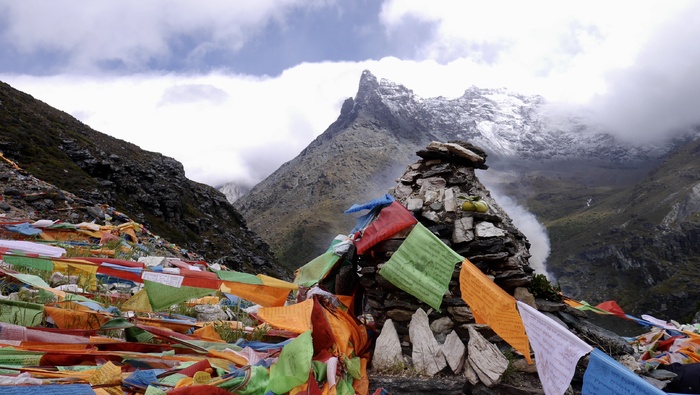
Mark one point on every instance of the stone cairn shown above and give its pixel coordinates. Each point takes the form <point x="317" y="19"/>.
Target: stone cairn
<point x="420" y="341"/>
<point x="433" y="189"/>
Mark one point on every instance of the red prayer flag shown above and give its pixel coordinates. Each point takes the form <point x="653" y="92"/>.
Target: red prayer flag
<point x="613" y="308"/>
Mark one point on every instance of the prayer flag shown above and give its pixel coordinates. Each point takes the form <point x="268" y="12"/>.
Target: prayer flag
<point x="293" y="366"/>
<point x="494" y="306"/>
<point x="391" y="220"/>
<point x="161" y="296"/>
<point x="604" y="375"/>
<point x="422" y="266"/>
<point x="294" y="318"/>
<point x="557" y="350"/>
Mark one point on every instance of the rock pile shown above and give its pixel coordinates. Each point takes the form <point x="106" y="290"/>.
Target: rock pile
<point x="425" y="342"/>
<point x="434" y="189"/>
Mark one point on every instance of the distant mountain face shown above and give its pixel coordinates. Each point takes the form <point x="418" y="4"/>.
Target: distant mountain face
<point x="233" y="191"/>
<point x="150" y="188"/>
<point x="620" y="216"/>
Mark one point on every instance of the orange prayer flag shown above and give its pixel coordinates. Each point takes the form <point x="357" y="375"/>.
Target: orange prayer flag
<point x="261" y="294"/>
<point x="349" y="336"/>
<point x="571" y="302"/>
<point x="347" y="300"/>
<point x="207" y="332"/>
<point x="361" y="386"/>
<point x="477" y="318"/>
<point x="294" y="318"/>
<point x="492" y="304"/>
<point x="71" y="319"/>
<point x="301" y="389"/>
<point x="43" y="346"/>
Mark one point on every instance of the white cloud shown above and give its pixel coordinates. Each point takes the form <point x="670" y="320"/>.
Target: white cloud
<point x="611" y="51"/>
<point x="208" y="122"/>
<point x="133" y="32"/>
<point x="559" y="49"/>
<point x="659" y="94"/>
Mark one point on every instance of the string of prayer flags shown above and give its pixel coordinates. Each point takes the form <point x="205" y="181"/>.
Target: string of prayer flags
<point x="422" y="266"/>
<point x="494" y="307"/>
<point x="604" y="375"/>
<point x="557" y="350"/>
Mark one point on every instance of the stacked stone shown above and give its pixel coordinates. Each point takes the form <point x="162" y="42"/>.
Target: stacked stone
<point x="432" y="189"/>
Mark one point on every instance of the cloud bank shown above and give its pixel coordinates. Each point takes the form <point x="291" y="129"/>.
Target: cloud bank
<point x="233" y="90"/>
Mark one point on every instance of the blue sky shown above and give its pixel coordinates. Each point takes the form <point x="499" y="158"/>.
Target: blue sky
<point x="233" y="89"/>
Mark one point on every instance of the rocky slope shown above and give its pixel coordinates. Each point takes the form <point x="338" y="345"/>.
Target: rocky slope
<point x="151" y="188"/>
<point x="557" y="167"/>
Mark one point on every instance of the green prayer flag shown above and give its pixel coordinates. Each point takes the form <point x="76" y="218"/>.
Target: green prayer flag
<point x="135" y="334"/>
<point x="117" y="323"/>
<point x="320" y="371"/>
<point x="344" y="387"/>
<point x="353" y="367"/>
<point x="21" y="313"/>
<point x="31" y="279"/>
<point x="172" y="379"/>
<point x="316" y="270"/>
<point x="245" y="278"/>
<point x="422" y="266"/>
<point x="77" y="298"/>
<point x="293" y="366"/>
<point x="258" y="379"/>
<point x="151" y="390"/>
<point x="34" y="263"/>
<point x="9" y="356"/>
<point x="161" y="296"/>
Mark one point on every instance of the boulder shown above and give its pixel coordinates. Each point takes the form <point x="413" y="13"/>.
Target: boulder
<point x="427" y="355"/>
<point x="387" y="350"/>
<point x="485" y="358"/>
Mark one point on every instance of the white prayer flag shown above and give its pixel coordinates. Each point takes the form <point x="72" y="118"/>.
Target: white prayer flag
<point x="557" y="350"/>
<point x="161" y="278"/>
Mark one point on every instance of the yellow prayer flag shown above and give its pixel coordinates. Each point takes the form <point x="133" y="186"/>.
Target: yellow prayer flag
<point x="277" y="283"/>
<point x="86" y="271"/>
<point x="138" y="302"/>
<point x="295" y="318"/>
<point x="108" y="373"/>
<point x="494" y="306"/>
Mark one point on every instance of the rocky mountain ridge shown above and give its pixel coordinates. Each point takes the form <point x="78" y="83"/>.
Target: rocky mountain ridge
<point x="561" y="169"/>
<point x="151" y="188"/>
